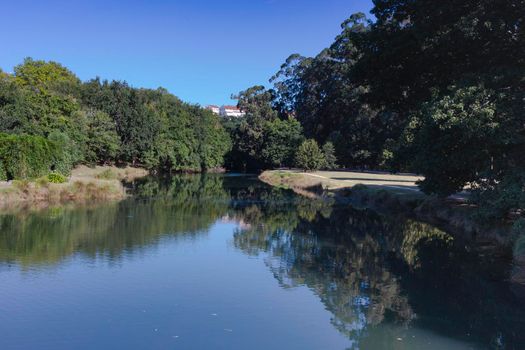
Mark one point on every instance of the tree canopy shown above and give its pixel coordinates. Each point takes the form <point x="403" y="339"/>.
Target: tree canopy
<point x="109" y="122"/>
<point x="432" y="87"/>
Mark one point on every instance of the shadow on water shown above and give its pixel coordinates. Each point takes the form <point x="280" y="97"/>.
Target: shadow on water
<point x="370" y="271"/>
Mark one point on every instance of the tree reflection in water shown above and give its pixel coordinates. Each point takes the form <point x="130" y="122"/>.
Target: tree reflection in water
<point x="367" y="269"/>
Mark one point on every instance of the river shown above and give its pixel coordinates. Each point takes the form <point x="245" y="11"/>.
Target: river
<point x="226" y="262"/>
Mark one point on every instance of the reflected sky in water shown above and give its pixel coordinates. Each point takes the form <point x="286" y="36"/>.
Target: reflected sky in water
<point x="226" y="262"/>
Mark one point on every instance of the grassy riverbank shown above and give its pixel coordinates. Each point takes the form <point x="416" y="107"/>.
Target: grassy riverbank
<point x="101" y="183"/>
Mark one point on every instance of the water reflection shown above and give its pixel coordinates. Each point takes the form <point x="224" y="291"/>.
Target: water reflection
<point x="369" y="270"/>
<point x="374" y="273"/>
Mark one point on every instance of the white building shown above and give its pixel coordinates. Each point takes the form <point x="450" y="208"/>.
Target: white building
<point x="231" y="111"/>
<point x="214" y="109"/>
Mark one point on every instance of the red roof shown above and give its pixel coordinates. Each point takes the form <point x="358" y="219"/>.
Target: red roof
<point x="231" y="107"/>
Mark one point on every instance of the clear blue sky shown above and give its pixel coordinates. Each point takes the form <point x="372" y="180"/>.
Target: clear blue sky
<point x="200" y="50"/>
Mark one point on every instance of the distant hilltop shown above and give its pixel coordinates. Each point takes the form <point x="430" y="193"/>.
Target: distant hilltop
<point x="226" y="111"/>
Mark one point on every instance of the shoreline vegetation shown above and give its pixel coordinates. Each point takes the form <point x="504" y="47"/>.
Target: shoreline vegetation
<point x="453" y="214"/>
<point x="386" y="196"/>
<point x="86" y="184"/>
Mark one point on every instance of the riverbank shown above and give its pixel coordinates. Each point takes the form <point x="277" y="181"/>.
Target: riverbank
<point x="398" y="195"/>
<point x="394" y="194"/>
<point x="100" y="183"/>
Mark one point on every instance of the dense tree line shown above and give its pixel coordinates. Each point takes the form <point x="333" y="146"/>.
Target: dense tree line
<point x="432" y="87"/>
<point x="105" y="122"/>
<point x="265" y="138"/>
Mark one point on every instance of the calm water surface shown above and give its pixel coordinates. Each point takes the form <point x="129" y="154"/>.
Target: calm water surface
<point x="225" y="262"/>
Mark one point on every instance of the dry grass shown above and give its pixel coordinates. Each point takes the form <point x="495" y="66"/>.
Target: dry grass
<point x="108" y="173"/>
<point x="84" y="185"/>
<point x="299" y="183"/>
<point x="336" y="180"/>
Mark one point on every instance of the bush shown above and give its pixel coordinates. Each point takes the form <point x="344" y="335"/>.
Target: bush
<point x="56" y="178"/>
<point x="309" y="157"/>
<point x="25" y="156"/>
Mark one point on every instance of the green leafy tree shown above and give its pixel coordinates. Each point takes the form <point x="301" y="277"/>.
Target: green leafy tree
<point x="281" y="139"/>
<point x="67" y="154"/>
<point x="309" y="156"/>
<point x="329" y="156"/>
<point x="103" y="142"/>
<point x="248" y="135"/>
<point x="453" y="139"/>
<point x="325" y="97"/>
<point x="213" y="140"/>
<point x="156" y="129"/>
<point x="256" y="102"/>
<point x="46" y="77"/>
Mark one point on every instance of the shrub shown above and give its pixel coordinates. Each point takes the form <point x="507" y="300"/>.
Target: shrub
<point x="309" y="156"/>
<point x="28" y="157"/>
<point x="25" y="156"/>
<point x="56" y="178"/>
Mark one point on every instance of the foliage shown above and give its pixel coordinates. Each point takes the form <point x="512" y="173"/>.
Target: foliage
<point x="24" y="156"/>
<point x="44" y="76"/>
<point x="281" y="139"/>
<point x="3" y="171"/>
<point x="67" y="152"/>
<point x="212" y="140"/>
<point x="498" y="198"/>
<point x="103" y="142"/>
<point x="329" y="156"/>
<point x="260" y="139"/>
<point x="432" y="87"/>
<point x="448" y="131"/>
<point x="156" y="129"/>
<point x="455" y="75"/>
<point x="56" y="178"/>
<point x="22" y="185"/>
<point x="323" y="95"/>
<point x="309" y="156"/>
<point x="108" y="122"/>
<point x="256" y="102"/>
